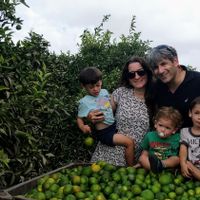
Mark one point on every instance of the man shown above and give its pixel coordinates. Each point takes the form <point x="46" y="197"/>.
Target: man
<point x="176" y="86"/>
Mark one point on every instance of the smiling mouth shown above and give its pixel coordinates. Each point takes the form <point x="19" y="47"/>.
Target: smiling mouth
<point x="162" y="76"/>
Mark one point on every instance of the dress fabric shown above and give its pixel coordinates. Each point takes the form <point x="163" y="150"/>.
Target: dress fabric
<point x="132" y="119"/>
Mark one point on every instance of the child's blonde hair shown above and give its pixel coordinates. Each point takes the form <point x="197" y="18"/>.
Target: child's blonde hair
<point x="171" y="114"/>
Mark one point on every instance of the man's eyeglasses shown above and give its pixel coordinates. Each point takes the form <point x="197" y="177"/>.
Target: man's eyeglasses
<point x="133" y="74"/>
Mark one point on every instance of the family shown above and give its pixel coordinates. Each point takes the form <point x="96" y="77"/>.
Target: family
<point x="151" y="120"/>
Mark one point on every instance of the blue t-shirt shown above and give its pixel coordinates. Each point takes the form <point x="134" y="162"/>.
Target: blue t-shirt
<point x="101" y="102"/>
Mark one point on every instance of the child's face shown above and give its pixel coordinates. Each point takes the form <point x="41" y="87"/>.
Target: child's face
<point x="93" y="89"/>
<point x="195" y="115"/>
<point x="165" y="127"/>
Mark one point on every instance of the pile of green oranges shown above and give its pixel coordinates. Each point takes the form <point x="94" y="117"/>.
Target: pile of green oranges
<point x="103" y="181"/>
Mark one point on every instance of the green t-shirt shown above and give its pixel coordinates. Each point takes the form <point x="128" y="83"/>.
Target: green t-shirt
<point x="161" y="147"/>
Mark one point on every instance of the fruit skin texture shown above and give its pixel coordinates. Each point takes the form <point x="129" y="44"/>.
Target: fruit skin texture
<point x="165" y="179"/>
<point x="95" y="167"/>
<point x="89" y="141"/>
<point x="147" y="194"/>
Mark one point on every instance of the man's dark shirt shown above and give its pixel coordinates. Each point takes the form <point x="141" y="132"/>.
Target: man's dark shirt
<point x="182" y="97"/>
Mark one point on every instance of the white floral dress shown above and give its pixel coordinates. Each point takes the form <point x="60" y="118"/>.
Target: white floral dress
<point x="132" y="119"/>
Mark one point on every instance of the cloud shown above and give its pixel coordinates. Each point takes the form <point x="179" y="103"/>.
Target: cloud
<point x="164" y="22"/>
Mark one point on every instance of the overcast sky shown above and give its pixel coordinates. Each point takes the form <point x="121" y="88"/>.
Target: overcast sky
<point x="61" y="22"/>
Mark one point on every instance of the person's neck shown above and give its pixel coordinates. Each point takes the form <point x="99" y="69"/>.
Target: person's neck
<point x="196" y="130"/>
<point x="139" y="92"/>
<point x="178" y="79"/>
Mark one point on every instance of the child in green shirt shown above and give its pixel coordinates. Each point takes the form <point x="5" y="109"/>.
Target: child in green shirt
<point x="161" y="147"/>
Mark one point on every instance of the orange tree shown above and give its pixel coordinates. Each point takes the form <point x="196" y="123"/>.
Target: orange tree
<point x="39" y="91"/>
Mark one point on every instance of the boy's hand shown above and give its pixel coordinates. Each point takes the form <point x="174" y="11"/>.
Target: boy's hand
<point x="185" y="170"/>
<point x="86" y="129"/>
<point x="95" y="116"/>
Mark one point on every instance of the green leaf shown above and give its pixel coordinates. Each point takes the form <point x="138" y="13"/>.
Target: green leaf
<point x="3" y="88"/>
<point x="4" y="158"/>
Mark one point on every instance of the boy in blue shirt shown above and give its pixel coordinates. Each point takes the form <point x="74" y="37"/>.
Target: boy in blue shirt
<point x="99" y="99"/>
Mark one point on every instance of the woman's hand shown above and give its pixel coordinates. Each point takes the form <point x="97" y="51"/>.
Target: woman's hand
<point x="95" y="116"/>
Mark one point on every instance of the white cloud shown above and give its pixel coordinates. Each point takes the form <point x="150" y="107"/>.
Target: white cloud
<point x="173" y="22"/>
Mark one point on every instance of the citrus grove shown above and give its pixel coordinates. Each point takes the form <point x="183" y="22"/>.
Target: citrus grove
<point x="39" y="91"/>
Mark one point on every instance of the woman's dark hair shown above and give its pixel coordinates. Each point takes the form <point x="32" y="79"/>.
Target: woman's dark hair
<point x="149" y="88"/>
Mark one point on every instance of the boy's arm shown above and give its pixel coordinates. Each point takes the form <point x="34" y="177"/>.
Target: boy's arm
<point x="183" y="154"/>
<point x="183" y="161"/>
<point x="113" y="103"/>
<point x="84" y="128"/>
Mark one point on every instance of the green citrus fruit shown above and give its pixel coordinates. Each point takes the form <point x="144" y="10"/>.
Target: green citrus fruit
<point x="114" y="196"/>
<point x="147" y="194"/>
<point x="67" y="189"/>
<point x="95" y="187"/>
<point x="40" y="196"/>
<point x="76" y="188"/>
<point x="54" y="187"/>
<point x="80" y="195"/>
<point x="87" y="171"/>
<point x="93" y="180"/>
<point x="179" y="190"/>
<point x="172" y="195"/>
<point x="108" y="190"/>
<point x="89" y="141"/>
<point x="76" y="180"/>
<point x="155" y="188"/>
<point x="165" y="179"/>
<point x="70" y="197"/>
<point x="18" y="27"/>
<point x="136" y="189"/>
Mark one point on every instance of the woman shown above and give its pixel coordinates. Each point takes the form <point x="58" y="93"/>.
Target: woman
<point x="133" y="106"/>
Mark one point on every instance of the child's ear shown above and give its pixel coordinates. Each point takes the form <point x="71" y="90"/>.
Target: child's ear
<point x="175" y="130"/>
<point x="190" y="114"/>
<point x="155" y="123"/>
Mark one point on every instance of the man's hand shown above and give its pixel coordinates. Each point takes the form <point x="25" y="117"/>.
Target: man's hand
<point x="95" y="116"/>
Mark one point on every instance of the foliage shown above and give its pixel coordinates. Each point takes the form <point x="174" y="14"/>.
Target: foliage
<point x="8" y="18"/>
<point x="39" y="91"/>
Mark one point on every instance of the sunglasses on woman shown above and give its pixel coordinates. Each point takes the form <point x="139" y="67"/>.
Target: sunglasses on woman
<point x="133" y="74"/>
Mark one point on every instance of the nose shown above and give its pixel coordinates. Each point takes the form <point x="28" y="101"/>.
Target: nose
<point x="95" y="88"/>
<point x="137" y="76"/>
<point x="163" y="129"/>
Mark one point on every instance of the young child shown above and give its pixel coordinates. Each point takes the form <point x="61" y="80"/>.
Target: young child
<point x="99" y="99"/>
<point x="161" y="147"/>
<point x="190" y="143"/>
